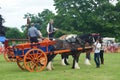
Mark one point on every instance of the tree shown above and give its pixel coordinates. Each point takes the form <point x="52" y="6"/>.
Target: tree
<point x="89" y="16"/>
<point x="13" y="33"/>
<point x="79" y="13"/>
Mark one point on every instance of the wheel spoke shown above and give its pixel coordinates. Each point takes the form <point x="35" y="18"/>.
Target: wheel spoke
<point x="33" y="67"/>
<point x="39" y="55"/>
<point x="37" y="68"/>
<point x="22" y="64"/>
<point x="29" y="63"/>
<point x="28" y="58"/>
<point x="36" y="55"/>
<point x="31" y="56"/>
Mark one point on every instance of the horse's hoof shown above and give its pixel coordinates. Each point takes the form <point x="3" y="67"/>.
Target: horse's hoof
<point x="87" y="62"/>
<point x="62" y="63"/>
<point x="48" y="69"/>
<point x="77" y="68"/>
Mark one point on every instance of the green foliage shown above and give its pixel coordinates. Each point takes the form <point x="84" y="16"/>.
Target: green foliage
<point x="13" y="33"/>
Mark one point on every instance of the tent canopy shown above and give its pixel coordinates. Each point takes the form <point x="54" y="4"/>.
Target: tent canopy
<point x="2" y="39"/>
<point x="106" y="39"/>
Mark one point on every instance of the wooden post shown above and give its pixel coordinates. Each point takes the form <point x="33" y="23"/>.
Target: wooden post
<point x="28" y="25"/>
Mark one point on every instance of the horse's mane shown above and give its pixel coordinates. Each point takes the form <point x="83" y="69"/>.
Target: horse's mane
<point x="90" y="37"/>
<point x="69" y="38"/>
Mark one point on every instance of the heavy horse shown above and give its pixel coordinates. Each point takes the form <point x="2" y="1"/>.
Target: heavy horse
<point x="72" y="43"/>
<point x="87" y="39"/>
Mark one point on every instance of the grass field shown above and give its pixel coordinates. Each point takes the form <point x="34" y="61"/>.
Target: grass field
<point x="109" y="71"/>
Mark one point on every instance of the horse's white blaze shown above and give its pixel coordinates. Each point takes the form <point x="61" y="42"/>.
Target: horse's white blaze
<point x="87" y="62"/>
<point x="62" y="62"/>
<point x="49" y="66"/>
<point x="76" y="65"/>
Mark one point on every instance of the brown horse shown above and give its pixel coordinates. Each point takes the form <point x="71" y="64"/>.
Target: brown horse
<point x="72" y="44"/>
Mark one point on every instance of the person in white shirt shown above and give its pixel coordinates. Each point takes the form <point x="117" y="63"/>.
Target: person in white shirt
<point x="50" y="29"/>
<point x="97" y="48"/>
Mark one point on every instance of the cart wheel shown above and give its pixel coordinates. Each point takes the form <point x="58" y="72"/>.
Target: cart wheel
<point x="20" y="63"/>
<point x="9" y="55"/>
<point x="35" y="60"/>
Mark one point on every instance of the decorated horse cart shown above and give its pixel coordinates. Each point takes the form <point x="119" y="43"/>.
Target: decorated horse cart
<point x="33" y="56"/>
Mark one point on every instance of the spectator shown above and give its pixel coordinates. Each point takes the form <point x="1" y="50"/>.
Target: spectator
<point x="102" y="52"/>
<point x="112" y="46"/>
<point x="97" y="47"/>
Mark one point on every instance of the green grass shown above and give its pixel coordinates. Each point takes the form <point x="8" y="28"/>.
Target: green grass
<point x="109" y="71"/>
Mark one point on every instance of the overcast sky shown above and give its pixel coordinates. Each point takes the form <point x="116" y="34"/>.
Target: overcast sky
<point x="13" y="10"/>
